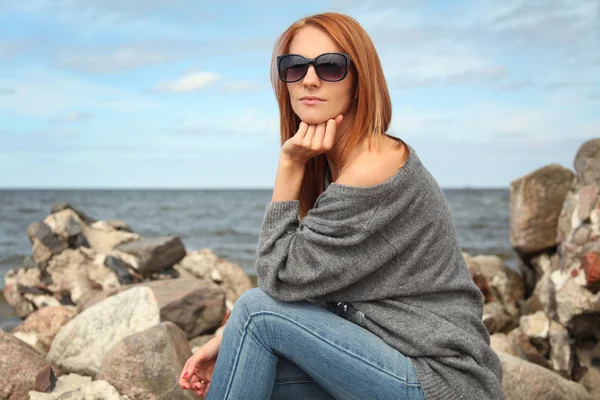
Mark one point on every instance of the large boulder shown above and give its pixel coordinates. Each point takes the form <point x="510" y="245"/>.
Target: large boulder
<point x="196" y="306"/>
<point x="20" y="366"/>
<point x="147" y="364"/>
<point x="81" y="345"/>
<point x="154" y="254"/>
<point x="524" y="380"/>
<point x="536" y="201"/>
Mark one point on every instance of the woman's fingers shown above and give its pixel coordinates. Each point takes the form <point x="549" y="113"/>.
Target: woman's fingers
<point x="329" y="138"/>
<point x="308" y="138"/>
<point x="317" y="142"/>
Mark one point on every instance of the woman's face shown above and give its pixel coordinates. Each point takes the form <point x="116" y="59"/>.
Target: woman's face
<point x="337" y="97"/>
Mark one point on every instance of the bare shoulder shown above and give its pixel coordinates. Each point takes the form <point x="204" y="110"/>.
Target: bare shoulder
<point x="373" y="169"/>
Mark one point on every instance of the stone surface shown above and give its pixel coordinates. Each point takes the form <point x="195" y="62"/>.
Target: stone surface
<point x="495" y="317"/>
<point x="590" y="264"/>
<point x="81" y="345"/>
<point x="196" y="306"/>
<point x="77" y="387"/>
<point x="204" y="264"/>
<point x="155" y="254"/>
<point x="525" y="380"/>
<point x="560" y="349"/>
<point x="147" y="364"/>
<point x="20" y="364"/>
<point x="587" y="162"/>
<point x="39" y="328"/>
<point x="536" y="201"/>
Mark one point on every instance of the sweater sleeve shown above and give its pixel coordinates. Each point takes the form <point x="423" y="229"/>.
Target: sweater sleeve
<point x="330" y="249"/>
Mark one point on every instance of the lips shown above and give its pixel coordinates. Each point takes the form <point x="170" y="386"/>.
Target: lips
<point x="311" y="100"/>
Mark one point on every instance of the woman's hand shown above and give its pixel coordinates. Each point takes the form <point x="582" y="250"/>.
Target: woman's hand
<point x="200" y="366"/>
<point x="310" y="141"/>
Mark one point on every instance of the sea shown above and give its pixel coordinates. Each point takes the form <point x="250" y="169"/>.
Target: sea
<point x="225" y="221"/>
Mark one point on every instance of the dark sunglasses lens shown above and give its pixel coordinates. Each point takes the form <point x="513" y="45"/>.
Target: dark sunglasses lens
<point x="332" y="67"/>
<point x="292" y="68"/>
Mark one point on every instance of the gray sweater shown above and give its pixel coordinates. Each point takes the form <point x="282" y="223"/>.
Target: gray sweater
<point x="391" y="252"/>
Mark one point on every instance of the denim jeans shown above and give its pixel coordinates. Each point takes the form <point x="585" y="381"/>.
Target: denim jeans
<point x="298" y="350"/>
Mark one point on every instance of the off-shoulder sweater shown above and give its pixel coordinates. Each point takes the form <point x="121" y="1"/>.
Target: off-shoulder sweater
<point x="391" y="252"/>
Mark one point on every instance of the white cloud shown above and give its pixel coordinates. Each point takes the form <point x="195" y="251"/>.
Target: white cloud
<point x="73" y="117"/>
<point x="418" y="68"/>
<point x="247" y="121"/>
<point x="241" y="87"/>
<point x="189" y="82"/>
<point x="124" y="58"/>
<point x="45" y="93"/>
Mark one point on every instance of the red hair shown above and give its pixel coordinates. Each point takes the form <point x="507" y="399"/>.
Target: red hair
<point x="373" y="104"/>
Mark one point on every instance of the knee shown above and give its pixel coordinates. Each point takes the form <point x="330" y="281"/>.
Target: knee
<point x="251" y="301"/>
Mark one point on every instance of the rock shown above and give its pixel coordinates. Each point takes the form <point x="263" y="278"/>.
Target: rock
<point x="154" y="254"/>
<point x="535" y="326"/>
<point x="204" y="264"/>
<point x="81" y="345"/>
<point x="572" y="299"/>
<point x="536" y="203"/>
<point x="80" y="273"/>
<point x="66" y="224"/>
<point x="560" y="349"/>
<point x="20" y="364"/>
<point x="501" y="342"/>
<point x="568" y="219"/>
<point x="103" y="239"/>
<point x="45" y="380"/>
<point x="524" y="380"/>
<point x="588" y="198"/>
<point x="113" y="224"/>
<point x="495" y="317"/>
<point x="25" y="292"/>
<point x="545" y="294"/>
<point x="147" y="364"/>
<point x="199" y="341"/>
<point x="591" y="266"/>
<point x="77" y="387"/>
<point x="40" y="327"/>
<point x="46" y="243"/>
<point x="61" y="205"/>
<point x="196" y="306"/>
<point x="120" y="268"/>
<point x="587" y="162"/>
<point x="527" y="350"/>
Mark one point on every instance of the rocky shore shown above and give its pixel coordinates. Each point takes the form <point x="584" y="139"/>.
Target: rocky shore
<point x="102" y="312"/>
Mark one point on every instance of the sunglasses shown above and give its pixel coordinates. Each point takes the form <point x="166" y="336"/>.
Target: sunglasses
<point x="330" y="67"/>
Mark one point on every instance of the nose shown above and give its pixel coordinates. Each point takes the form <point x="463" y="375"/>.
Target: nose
<point x="311" y="78"/>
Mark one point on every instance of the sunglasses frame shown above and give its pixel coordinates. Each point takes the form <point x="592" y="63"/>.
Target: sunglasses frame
<point x="313" y="62"/>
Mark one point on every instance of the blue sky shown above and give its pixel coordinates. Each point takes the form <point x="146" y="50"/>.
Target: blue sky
<point x="150" y="93"/>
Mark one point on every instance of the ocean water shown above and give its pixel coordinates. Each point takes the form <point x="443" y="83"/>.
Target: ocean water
<point x="226" y="221"/>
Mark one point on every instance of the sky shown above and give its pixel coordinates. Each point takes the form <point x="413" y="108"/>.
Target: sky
<point x="176" y="94"/>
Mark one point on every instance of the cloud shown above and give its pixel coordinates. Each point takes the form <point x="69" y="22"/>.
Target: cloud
<point x="45" y="93"/>
<point x="420" y="68"/>
<point x="189" y="82"/>
<point x="241" y="87"/>
<point x="6" y="91"/>
<point x="123" y="58"/>
<point x="74" y="117"/>
<point x="248" y="121"/>
<point x="515" y="85"/>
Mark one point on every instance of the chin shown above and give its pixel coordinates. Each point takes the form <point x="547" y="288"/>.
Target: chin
<point x="313" y="118"/>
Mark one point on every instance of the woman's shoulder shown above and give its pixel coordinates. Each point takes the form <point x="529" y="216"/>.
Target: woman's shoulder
<point x="372" y="169"/>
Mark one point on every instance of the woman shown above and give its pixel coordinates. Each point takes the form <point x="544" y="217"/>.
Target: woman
<point x="363" y="290"/>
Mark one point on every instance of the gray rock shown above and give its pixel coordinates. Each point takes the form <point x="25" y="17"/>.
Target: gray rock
<point x="560" y="349"/>
<point x="587" y="162"/>
<point x="61" y="205"/>
<point x="155" y="254"/>
<point x="147" y="364"/>
<point x="495" y="317"/>
<point x="204" y="264"/>
<point x="536" y="201"/>
<point x="525" y="380"/>
<point x="81" y="345"/>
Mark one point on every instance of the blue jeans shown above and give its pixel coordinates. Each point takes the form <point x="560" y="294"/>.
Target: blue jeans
<point x="298" y="350"/>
